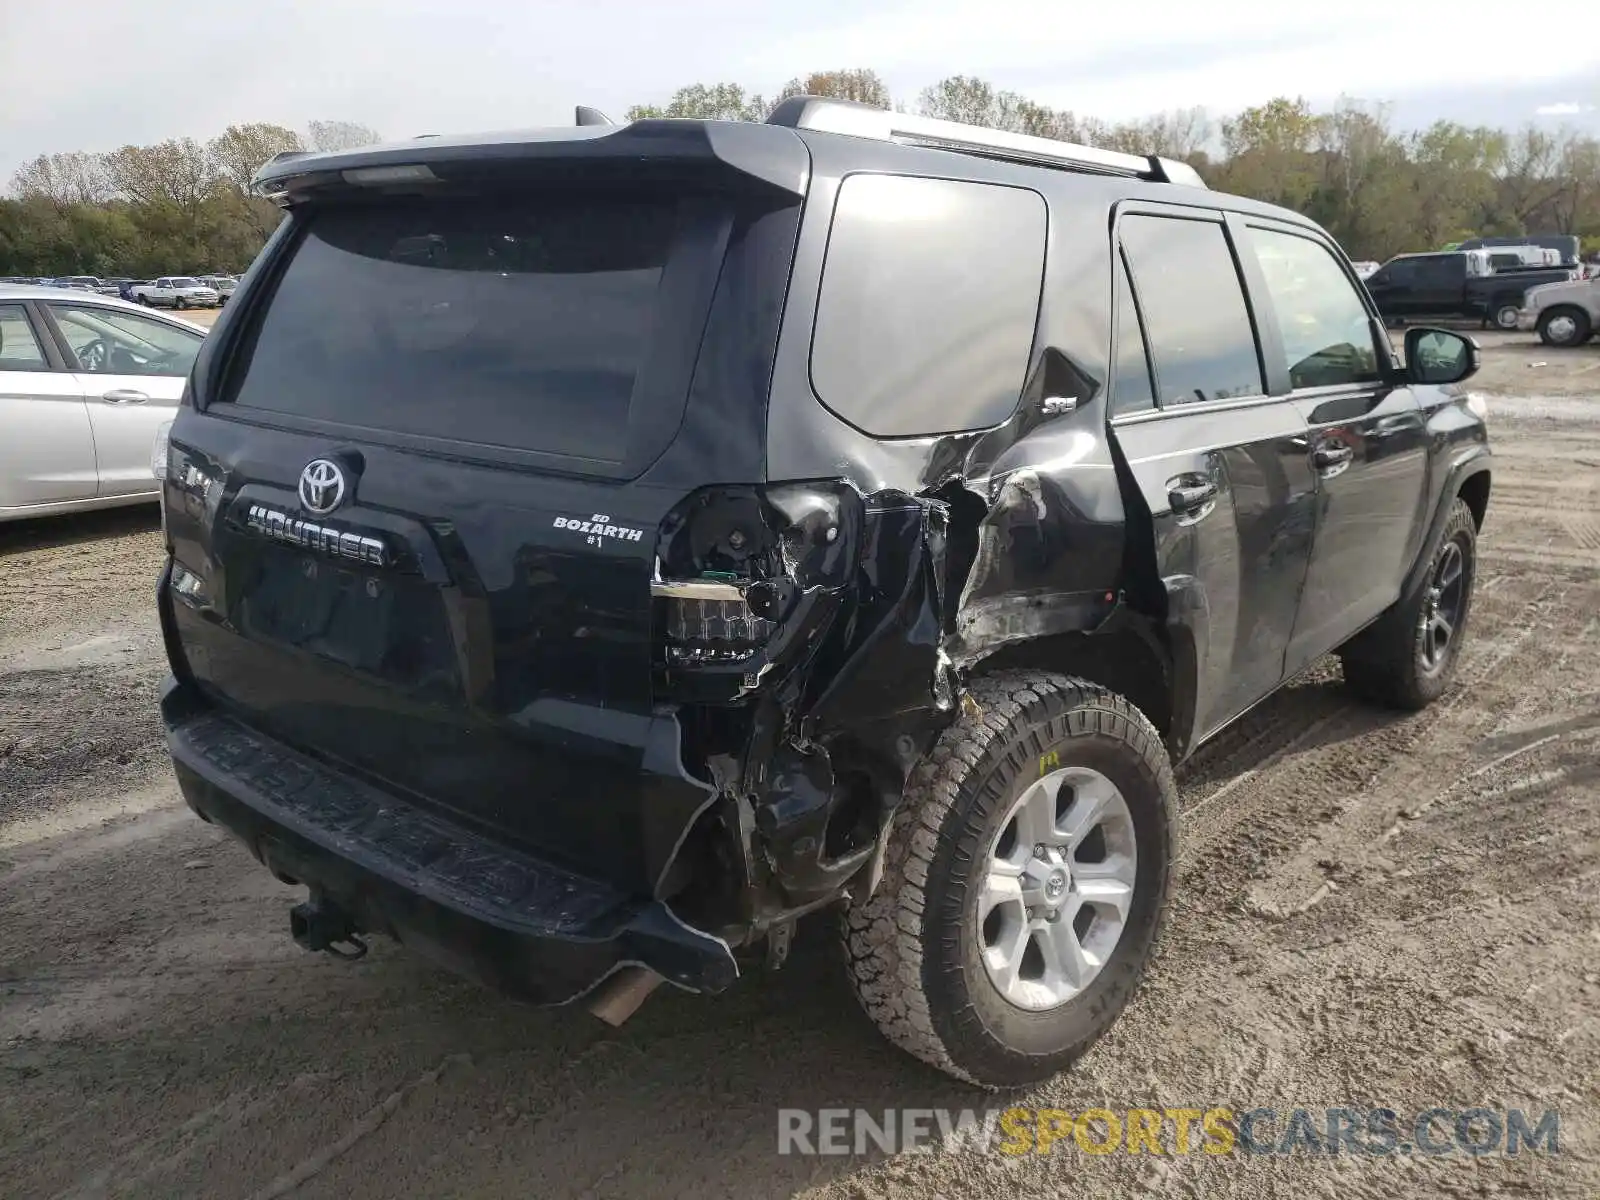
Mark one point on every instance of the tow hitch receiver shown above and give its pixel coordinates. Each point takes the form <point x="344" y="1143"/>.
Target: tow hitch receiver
<point x="319" y="924"/>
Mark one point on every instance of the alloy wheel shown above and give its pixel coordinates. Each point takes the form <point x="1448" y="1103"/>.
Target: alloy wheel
<point x="1059" y="888"/>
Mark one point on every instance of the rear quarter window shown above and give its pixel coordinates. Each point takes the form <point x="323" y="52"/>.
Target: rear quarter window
<point x="929" y="298"/>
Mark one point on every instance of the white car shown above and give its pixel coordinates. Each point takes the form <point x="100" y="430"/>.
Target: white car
<point x="175" y="291"/>
<point x="87" y="383"/>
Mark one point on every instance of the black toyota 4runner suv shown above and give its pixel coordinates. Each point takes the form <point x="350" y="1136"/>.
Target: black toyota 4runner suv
<point x="592" y="550"/>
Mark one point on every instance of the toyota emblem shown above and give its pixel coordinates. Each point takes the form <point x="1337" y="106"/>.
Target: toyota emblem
<point x="321" y="486"/>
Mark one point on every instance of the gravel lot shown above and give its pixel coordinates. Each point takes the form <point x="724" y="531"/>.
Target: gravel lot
<point x="1371" y="911"/>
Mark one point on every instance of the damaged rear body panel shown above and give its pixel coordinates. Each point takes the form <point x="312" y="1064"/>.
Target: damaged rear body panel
<point x="618" y="650"/>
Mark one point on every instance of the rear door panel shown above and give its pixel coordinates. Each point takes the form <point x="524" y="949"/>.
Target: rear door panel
<point x="1225" y="476"/>
<point x="1243" y="557"/>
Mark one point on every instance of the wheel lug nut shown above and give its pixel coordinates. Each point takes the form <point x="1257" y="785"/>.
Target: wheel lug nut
<point x="1039" y="850"/>
<point x="1052" y="916"/>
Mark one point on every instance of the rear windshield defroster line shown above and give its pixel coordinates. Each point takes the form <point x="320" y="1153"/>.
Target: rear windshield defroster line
<point x="523" y="321"/>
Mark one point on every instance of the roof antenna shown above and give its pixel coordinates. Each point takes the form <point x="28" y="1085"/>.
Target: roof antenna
<point x="592" y="116"/>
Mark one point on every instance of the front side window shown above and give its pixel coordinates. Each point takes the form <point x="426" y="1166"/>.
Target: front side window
<point x="1327" y="334"/>
<point x="19" y="349"/>
<point x="1188" y="289"/>
<point x="108" y="342"/>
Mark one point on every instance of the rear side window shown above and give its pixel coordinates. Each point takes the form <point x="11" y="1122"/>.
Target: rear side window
<point x="517" y="321"/>
<point x="929" y="297"/>
<point x="1131" y="390"/>
<point x="1189" y="292"/>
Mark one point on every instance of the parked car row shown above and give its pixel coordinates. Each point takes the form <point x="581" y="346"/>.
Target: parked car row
<point x="169" y="291"/>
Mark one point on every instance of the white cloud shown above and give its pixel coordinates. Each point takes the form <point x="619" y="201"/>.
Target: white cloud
<point x="1565" y="108"/>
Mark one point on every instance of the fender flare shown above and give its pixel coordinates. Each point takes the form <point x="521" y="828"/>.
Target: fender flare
<point x="1474" y="463"/>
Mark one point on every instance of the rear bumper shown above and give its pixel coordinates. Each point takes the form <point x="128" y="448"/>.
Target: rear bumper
<point x="521" y="925"/>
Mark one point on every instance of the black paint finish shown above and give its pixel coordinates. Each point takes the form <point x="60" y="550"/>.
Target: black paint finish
<point x="504" y="683"/>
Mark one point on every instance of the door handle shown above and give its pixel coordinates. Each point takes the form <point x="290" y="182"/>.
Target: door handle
<point x="1333" y="454"/>
<point x="125" y="396"/>
<point x="1188" y="496"/>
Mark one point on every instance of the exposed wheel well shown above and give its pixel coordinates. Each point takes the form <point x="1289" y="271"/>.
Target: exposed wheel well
<point x="1475" y="491"/>
<point x="1124" y="661"/>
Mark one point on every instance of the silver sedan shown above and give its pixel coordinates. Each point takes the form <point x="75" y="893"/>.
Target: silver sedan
<point x="86" y="384"/>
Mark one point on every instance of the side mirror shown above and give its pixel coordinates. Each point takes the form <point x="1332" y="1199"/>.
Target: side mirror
<point x="1438" y="356"/>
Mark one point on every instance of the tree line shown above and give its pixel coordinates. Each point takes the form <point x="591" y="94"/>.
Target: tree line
<point x="183" y="205"/>
<point x="180" y="206"/>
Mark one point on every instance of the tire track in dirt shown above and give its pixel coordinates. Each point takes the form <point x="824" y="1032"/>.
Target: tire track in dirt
<point x="1355" y="737"/>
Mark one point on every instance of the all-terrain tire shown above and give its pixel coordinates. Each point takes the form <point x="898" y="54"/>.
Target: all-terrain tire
<point x="1387" y="664"/>
<point x="914" y="946"/>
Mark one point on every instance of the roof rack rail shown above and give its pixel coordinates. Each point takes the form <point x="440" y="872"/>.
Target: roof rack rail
<point x="863" y="120"/>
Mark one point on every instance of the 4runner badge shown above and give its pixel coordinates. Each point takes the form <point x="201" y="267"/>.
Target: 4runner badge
<point x="598" y="528"/>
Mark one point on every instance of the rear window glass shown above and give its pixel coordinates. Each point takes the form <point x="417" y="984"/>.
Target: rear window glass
<point x="518" y="321"/>
<point x="929" y="297"/>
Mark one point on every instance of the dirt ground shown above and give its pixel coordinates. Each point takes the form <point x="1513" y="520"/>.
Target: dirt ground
<point x="1371" y="910"/>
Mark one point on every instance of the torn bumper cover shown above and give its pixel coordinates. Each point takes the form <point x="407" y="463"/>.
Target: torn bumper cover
<point x="519" y="924"/>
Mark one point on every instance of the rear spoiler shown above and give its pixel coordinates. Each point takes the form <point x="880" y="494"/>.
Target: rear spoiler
<point x="759" y="153"/>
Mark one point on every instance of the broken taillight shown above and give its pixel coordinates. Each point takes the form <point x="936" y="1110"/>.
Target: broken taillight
<point x="740" y="572"/>
<point x="704" y="621"/>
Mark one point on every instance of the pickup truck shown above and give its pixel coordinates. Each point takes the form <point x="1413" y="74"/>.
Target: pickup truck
<point x="1564" y="314"/>
<point x="175" y="291"/>
<point x="1456" y="283"/>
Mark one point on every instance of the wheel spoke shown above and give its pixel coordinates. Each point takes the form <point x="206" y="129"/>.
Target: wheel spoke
<point x="1068" y="967"/>
<point x="1003" y="886"/>
<point x="1036" y="818"/>
<point x="1106" y="885"/>
<point x="1443" y="627"/>
<point x="1005" y="958"/>
<point x="1450" y="569"/>
<point x="1090" y="802"/>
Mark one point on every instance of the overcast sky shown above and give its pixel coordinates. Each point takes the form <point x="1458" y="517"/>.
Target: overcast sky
<point x="96" y="74"/>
